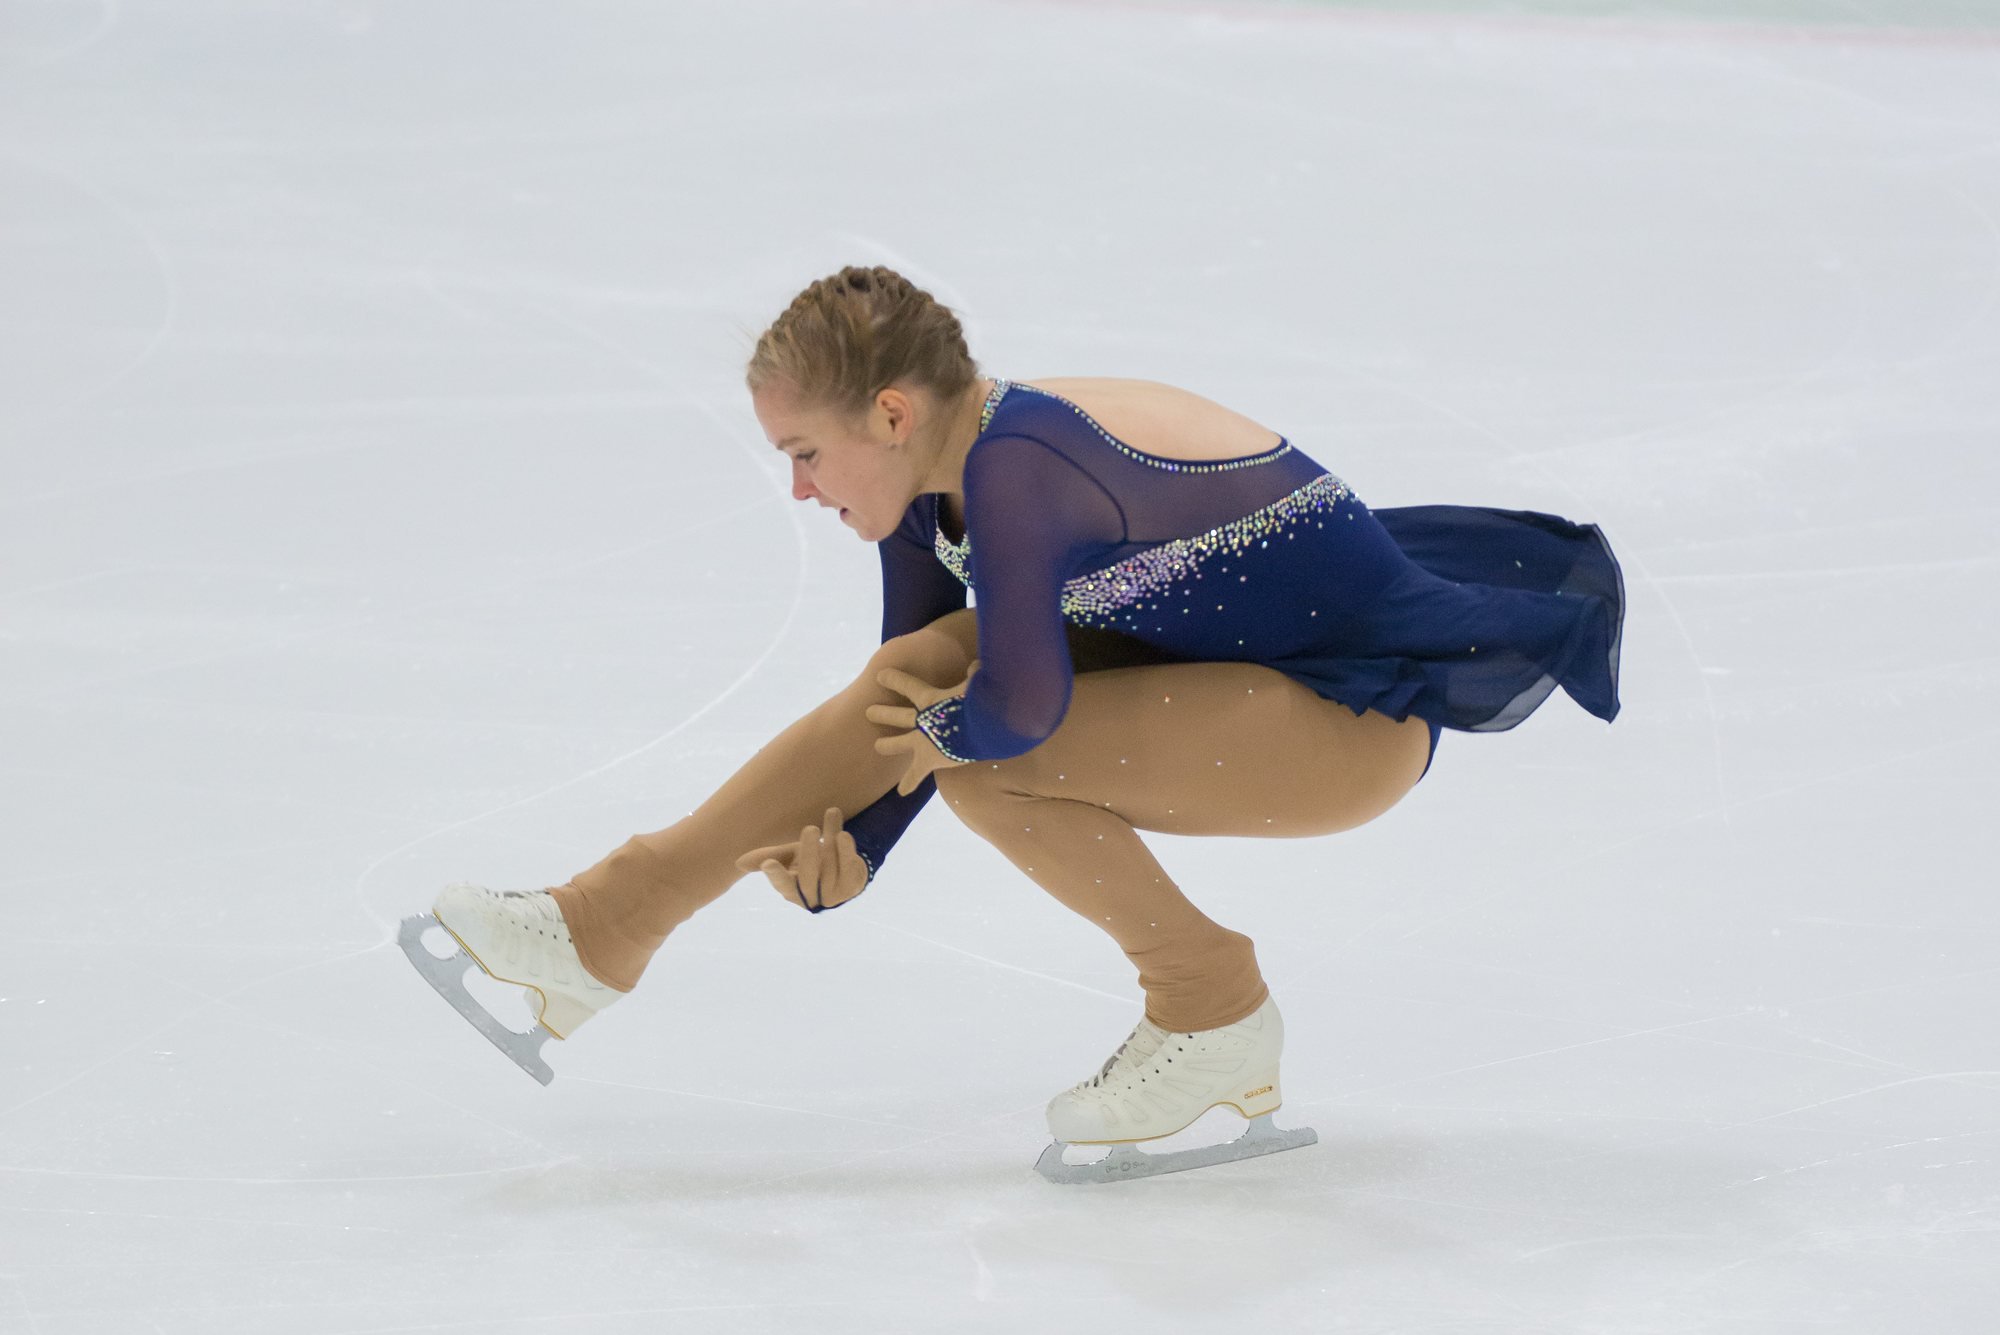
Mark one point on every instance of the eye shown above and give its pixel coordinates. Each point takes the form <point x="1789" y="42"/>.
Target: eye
<point x="806" y="456"/>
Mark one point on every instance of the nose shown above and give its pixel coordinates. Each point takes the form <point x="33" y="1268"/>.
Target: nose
<point x="802" y="487"/>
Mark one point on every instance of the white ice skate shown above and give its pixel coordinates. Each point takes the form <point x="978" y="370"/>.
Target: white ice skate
<point x="516" y="936"/>
<point x="1158" y="1083"/>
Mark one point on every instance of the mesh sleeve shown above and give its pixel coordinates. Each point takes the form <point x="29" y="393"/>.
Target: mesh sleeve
<point x="1033" y="518"/>
<point x="916" y="590"/>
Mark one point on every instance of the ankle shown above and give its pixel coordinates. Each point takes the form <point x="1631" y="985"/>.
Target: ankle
<point x="1202" y="985"/>
<point x="605" y="953"/>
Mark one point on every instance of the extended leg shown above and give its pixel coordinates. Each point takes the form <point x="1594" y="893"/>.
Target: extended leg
<point x="621" y="910"/>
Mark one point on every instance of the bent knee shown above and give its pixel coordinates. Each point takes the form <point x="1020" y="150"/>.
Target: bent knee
<point x="939" y="653"/>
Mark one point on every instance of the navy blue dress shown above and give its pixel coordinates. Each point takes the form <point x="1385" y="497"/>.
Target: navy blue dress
<point x="1463" y="616"/>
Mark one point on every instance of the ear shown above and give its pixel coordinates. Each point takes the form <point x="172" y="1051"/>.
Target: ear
<point x="896" y="405"/>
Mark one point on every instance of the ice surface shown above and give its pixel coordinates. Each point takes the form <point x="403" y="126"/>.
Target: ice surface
<point x="380" y="506"/>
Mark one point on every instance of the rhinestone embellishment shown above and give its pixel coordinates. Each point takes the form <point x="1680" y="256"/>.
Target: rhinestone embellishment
<point x="1092" y="598"/>
<point x="941" y="722"/>
<point x="1096" y="598"/>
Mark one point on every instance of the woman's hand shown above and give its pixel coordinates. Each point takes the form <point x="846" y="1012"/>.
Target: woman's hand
<point x="923" y="753"/>
<point x="822" y="870"/>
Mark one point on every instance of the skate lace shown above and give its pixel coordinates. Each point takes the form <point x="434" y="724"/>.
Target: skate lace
<point x="537" y="904"/>
<point x="1148" y="1039"/>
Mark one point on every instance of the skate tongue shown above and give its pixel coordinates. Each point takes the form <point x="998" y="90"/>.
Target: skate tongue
<point x="539" y="903"/>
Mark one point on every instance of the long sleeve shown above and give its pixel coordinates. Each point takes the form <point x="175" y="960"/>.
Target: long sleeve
<point x="916" y="590"/>
<point x="1034" y="519"/>
<point x="916" y="587"/>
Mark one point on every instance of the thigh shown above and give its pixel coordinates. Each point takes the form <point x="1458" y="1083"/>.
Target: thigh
<point x="939" y="653"/>
<point x="1221" y="749"/>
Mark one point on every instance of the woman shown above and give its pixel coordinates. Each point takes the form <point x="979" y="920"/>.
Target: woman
<point x="1183" y="623"/>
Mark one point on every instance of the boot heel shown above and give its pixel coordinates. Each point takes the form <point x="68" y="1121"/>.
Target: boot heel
<point x="1259" y="1095"/>
<point x="561" y="1015"/>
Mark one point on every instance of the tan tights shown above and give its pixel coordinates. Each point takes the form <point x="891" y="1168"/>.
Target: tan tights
<point x="1182" y="748"/>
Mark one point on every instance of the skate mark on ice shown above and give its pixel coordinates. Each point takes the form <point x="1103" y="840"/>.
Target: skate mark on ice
<point x="1522" y="1057"/>
<point x="169" y="285"/>
<point x="238" y="1222"/>
<point x="1855" y="1154"/>
<point x="319" y="843"/>
<point x="898" y="1151"/>
<point x="938" y="284"/>
<point x="778" y="638"/>
<point x="1753" y="69"/>
<point x="1706" y="1130"/>
<point x="89" y="686"/>
<point x="179" y="1021"/>
<point x="747" y="1103"/>
<point x="982" y="1274"/>
<point x="68" y="581"/>
<point x="104" y="21"/>
<point x="1667" y="1029"/>
<point x="1723" y="805"/>
<point x="20" y="1293"/>
<point x="1849" y="530"/>
<point x="1909" y="568"/>
<point x="152" y="785"/>
<point x="93" y="1175"/>
<point x="1958" y="1078"/>
<point x="1618" y="29"/>
<point x="258" y="1022"/>
<point x="282" y="450"/>
<point x="1668" y="827"/>
<point x="1610" y="1238"/>
<point x="1002" y="964"/>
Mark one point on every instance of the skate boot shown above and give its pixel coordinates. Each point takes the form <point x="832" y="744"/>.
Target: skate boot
<point x="1157" y="1083"/>
<point x="515" y="936"/>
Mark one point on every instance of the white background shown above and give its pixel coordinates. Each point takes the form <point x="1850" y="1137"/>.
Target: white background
<point x="380" y="506"/>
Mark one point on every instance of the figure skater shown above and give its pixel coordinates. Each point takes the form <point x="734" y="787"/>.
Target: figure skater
<point x="1181" y="622"/>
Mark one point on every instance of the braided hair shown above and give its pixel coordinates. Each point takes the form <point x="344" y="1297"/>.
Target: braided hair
<point x="851" y="335"/>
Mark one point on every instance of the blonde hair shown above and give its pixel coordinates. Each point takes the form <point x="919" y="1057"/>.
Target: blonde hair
<point x="851" y="335"/>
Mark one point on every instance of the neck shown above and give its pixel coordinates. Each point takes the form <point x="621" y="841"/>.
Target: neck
<point x="961" y="428"/>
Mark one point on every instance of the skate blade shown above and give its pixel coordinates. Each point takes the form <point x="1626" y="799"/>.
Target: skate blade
<point x="447" y="975"/>
<point x="1125" y="1162"/>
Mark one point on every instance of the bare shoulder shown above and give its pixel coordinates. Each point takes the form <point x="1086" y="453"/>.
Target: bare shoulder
<point x="1160" y="419"/>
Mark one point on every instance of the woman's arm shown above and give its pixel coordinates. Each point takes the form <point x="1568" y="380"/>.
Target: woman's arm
<point x="916" y="590"/>
<point x="1034" y="519"/>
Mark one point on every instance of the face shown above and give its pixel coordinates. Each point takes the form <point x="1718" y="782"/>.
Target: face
<point x="844" y="464"/>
